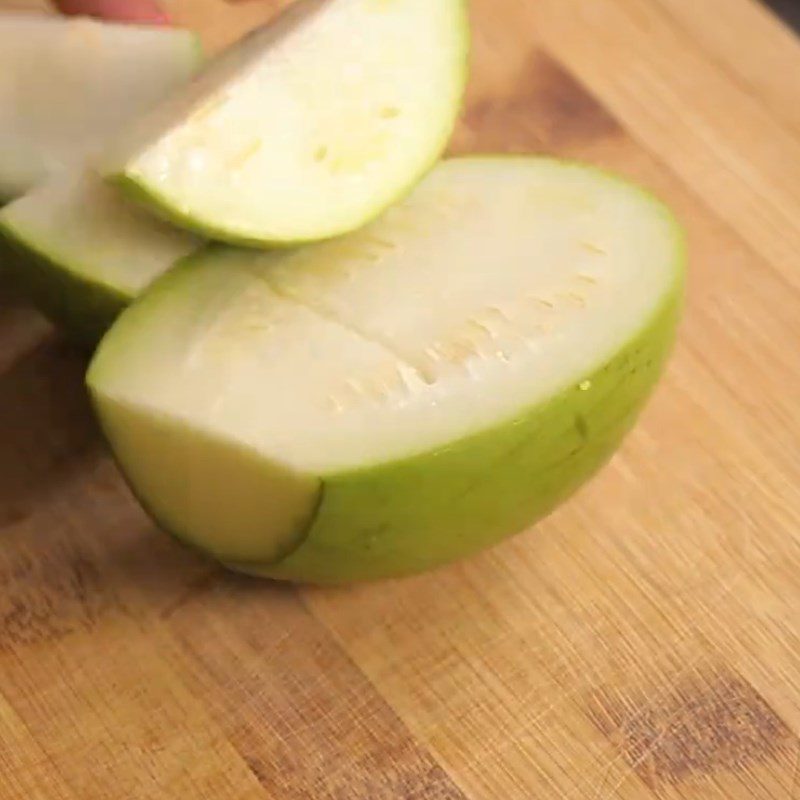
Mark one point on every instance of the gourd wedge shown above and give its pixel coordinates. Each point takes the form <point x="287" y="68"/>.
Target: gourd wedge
<point x="307" y="128"/>
<point x="404" y="396"/>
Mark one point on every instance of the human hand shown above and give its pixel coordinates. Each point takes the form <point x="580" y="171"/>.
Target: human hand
<point x="141" y="11"/>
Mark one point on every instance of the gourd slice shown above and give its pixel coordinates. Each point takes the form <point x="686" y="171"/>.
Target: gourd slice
<point x="392" y="400"/>
<point x="308" y="127"/>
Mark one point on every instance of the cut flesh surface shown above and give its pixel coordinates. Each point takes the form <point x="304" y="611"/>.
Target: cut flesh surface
<point x="308" y="127"/>
<point x="410" y="391"/>
<point x="66" y="85"/>
<point x="83" y="252"/>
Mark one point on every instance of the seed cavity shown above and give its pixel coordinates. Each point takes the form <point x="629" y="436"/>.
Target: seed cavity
<point x="576" y="299"/>
<point x="502" y="331"/>
<point x="480" y="329"/>
<point x="335" y="404"/>
<point x="244" y="155"/>
<point x="495" y="311"/>
<point x="591" y="247"/>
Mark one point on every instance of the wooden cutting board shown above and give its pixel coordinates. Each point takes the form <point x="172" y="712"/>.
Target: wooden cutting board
<point x="642" y="643"/>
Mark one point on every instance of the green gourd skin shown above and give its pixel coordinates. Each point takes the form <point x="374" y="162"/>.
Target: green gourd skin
<point x="432" y="509"/>
<point x="82" y="308"/>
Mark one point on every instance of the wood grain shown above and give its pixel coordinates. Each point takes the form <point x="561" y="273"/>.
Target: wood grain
<point x="642" y="643"/>
<point x="764" y="66"/>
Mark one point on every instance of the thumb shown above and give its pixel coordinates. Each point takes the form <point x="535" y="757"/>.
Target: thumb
<point x="142" y="11"/>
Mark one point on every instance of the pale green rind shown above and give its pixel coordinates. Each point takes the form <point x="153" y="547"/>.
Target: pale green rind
<point x="85" y="309"/>
<point x="139" y="191"/>
<point x="410" y="516"/>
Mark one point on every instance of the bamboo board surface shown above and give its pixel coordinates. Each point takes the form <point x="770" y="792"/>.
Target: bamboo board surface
<point x="644" y="642"/>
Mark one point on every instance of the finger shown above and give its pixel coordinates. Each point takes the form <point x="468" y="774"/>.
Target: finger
<point x="142" y="11"/>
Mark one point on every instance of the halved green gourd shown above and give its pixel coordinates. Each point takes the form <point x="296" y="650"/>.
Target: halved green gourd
<point x="392" y="400"/>
<point x="307" y="128"/>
